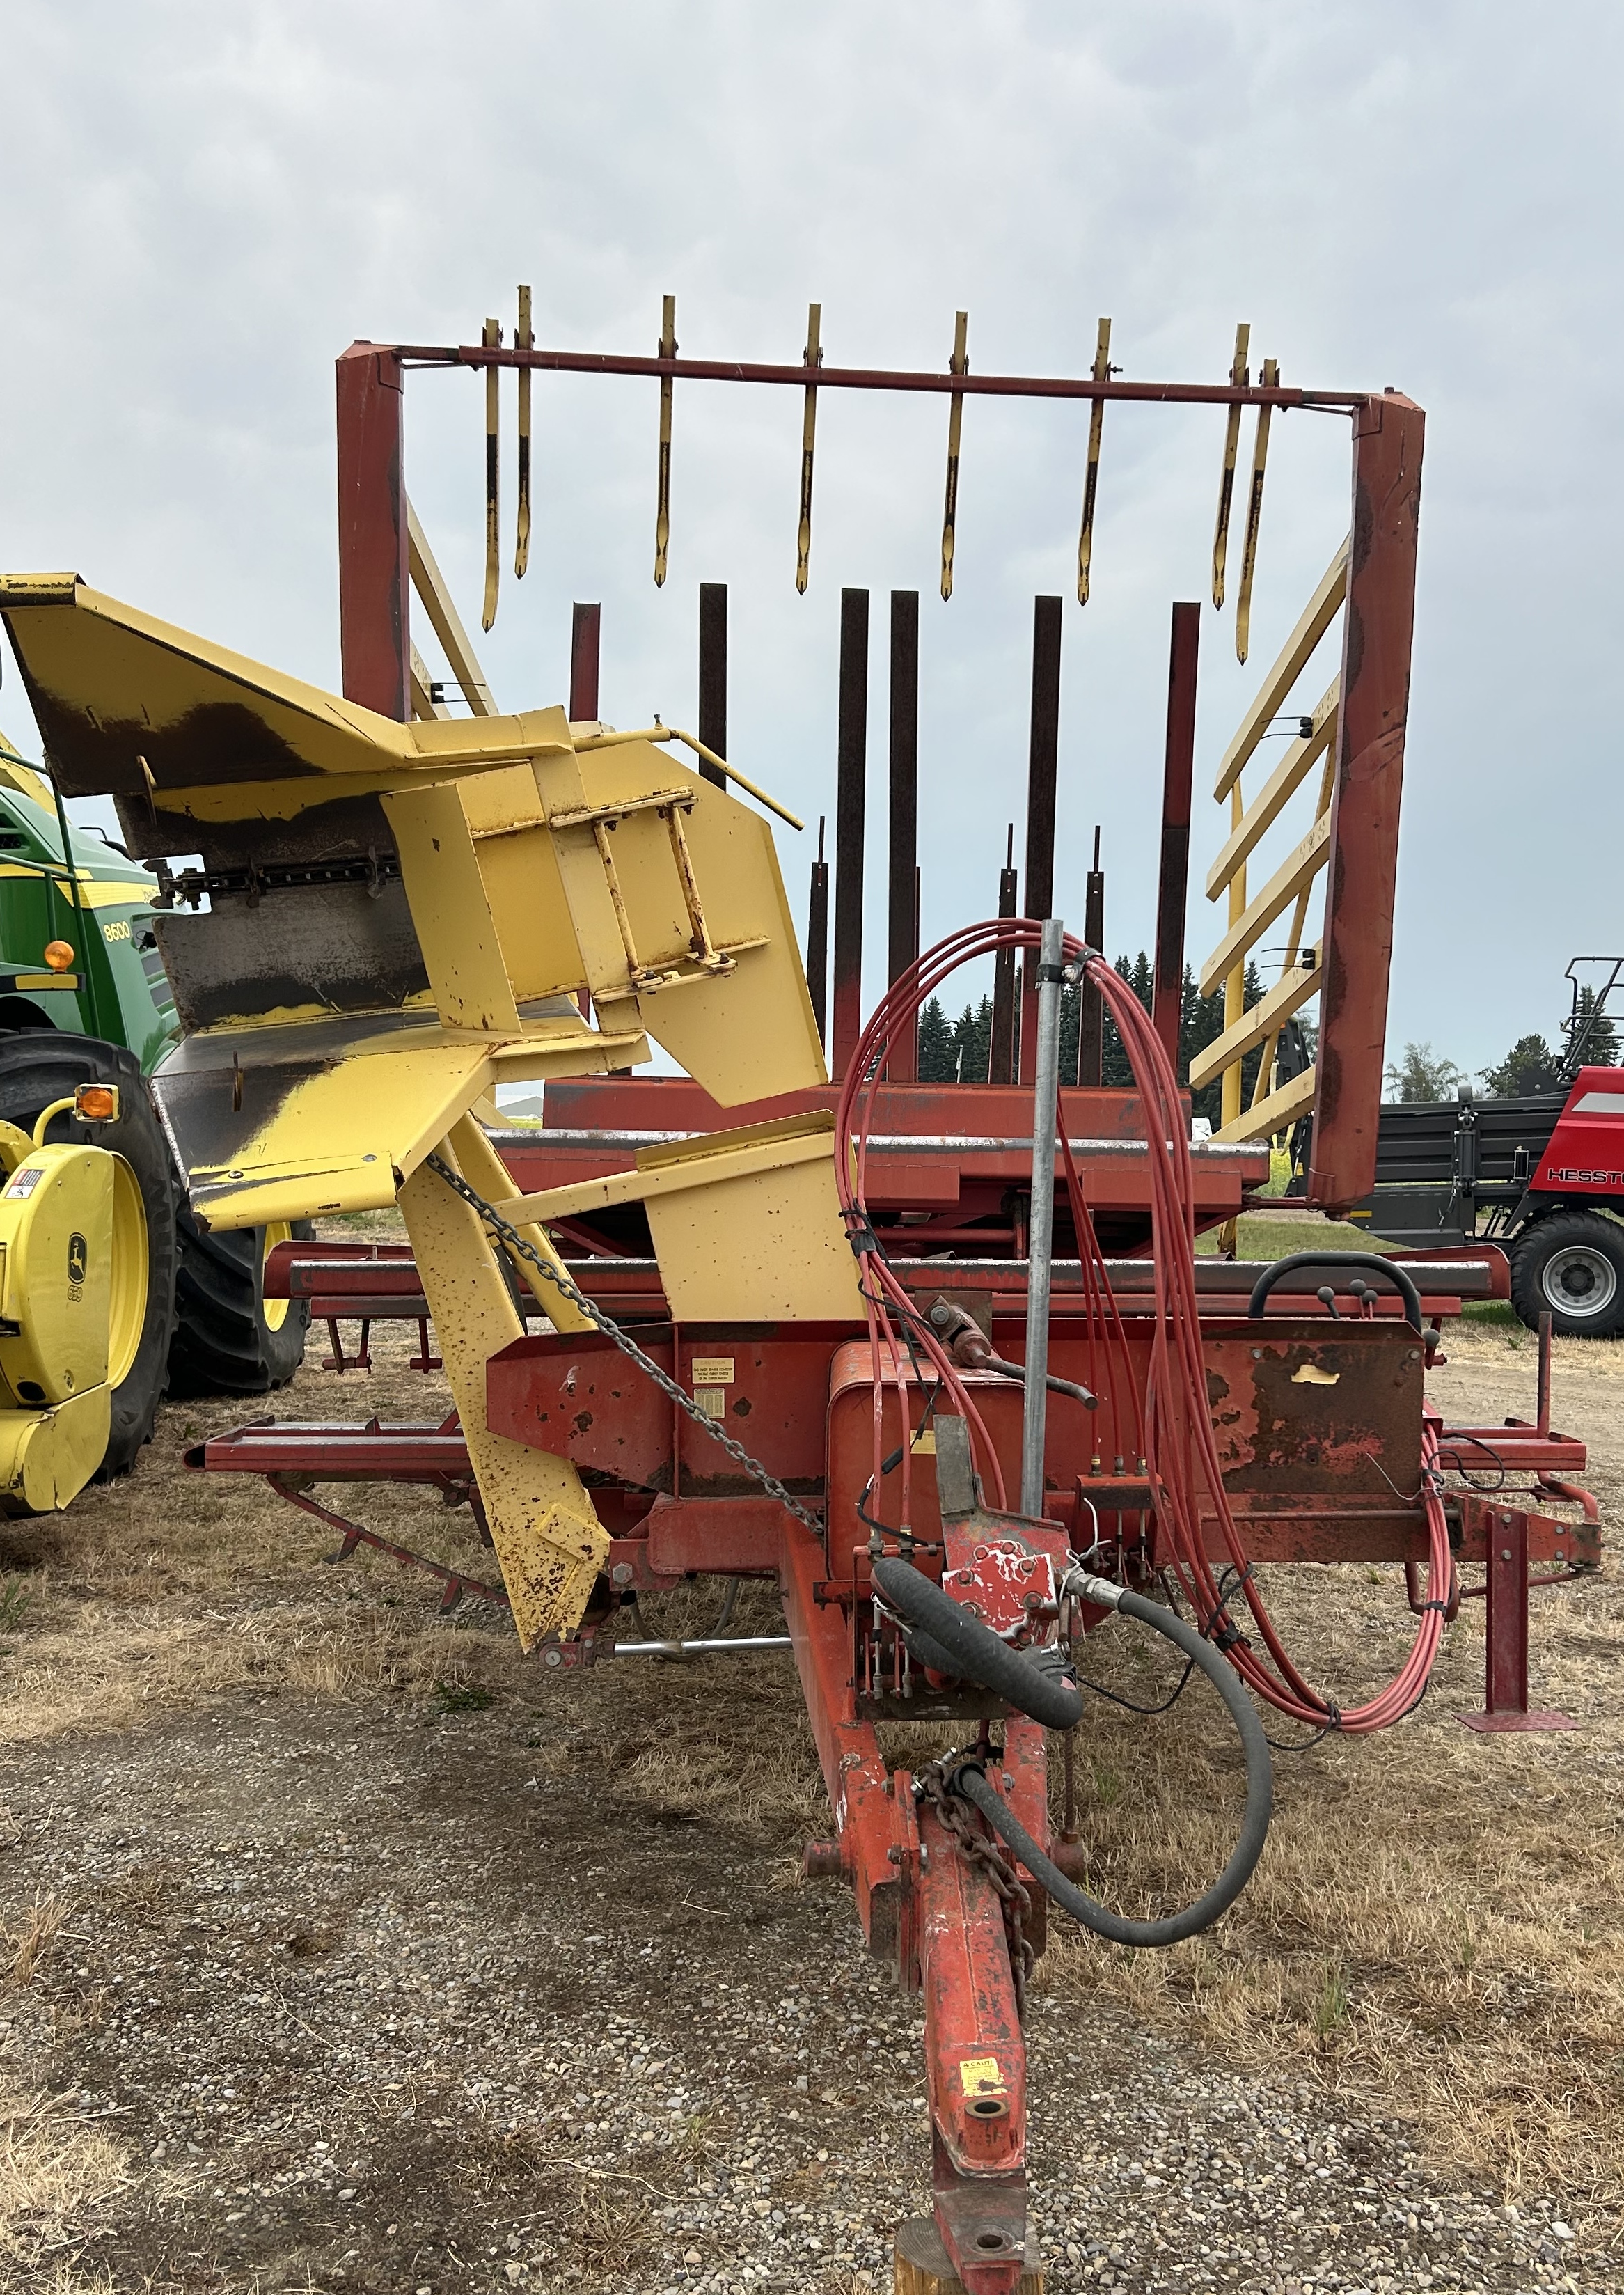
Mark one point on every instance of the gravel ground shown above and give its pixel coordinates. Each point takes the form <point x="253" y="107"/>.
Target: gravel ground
<point x="397" y="1999"/>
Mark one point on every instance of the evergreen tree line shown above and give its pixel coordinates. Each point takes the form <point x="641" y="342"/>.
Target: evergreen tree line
<point x="959" y="1051"/>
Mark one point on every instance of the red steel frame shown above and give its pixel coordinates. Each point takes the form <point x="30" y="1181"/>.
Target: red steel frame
<point x="1388" y="434"/>
<point x="1309" y="1481"/>
<point x="1309" y="1487"/>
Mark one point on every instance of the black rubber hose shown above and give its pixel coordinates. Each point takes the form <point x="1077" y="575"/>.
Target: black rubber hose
<point x="928" y="1653"/>
<point x="973" y="1650"/>
<point x="973" y="1783"/>
<point x="1400" y="1276"/>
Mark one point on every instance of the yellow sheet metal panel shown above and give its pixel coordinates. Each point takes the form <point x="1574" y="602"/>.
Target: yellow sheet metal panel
<point x="600" y="931"/>
<point x="451" y="910"/>
<point x="702" y="1161"/>
<point x="111" y="684"/>
<point x="744" y="1223"/>
<point x="326" y="1116"/>
<point x="337" y="1136"/>
<point x="484" y="1170"/>
<point x="761" y="1244"/>
<point x="47" y="1456"/>
<point x="548" y="1540"/>
<point x="519" y="867"/>
<point x="747" y="1035"/>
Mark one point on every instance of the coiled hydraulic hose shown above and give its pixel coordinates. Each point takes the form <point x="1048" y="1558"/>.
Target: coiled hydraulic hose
<point x="971" y="1781"/>
<point x="1173" y="1426"/>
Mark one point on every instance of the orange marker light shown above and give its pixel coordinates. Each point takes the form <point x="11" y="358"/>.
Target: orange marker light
<point x="59" y="955"/>
<point x="96" y="1103"/>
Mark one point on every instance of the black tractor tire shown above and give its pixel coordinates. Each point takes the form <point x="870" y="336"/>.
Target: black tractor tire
<point x="230" y="1338"/>
<point x="40" y="1065"/>
<point x="1570" y="1265"/>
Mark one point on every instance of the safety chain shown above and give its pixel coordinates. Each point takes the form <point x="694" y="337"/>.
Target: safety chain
<point x="522" y="1249"/>
<point x="976" y="1847"/>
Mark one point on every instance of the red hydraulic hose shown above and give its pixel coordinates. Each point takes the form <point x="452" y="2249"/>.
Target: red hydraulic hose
<point x="1174" y="1430"/>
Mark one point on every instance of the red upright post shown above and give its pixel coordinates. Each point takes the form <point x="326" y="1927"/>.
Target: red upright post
<point x="713" y="676"/>
<point x="817" y="938"/>
<point x="1000" y="1065"/>
<point x="1043" y="772"/>
<point x="850" y="805"/>
<point x="1172" y="887"/>
<point x="1090" y="1004"/>
<point x="1377" y="630"/>
<point x="585" y="631"/>
<point x="902" y="920"/>
<point x="1506" y="1632"/>
<point x="374" y="552"/>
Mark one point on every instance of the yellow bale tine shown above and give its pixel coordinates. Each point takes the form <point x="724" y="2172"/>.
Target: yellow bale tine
<point x="492" y="538"/>
<point x="1268" y="377"/>
<point x="523" y="340"/>
<point x="662" y="516"/>
<point x="813" y="358"/>
<point x="1090" y="484"/>
<point x="1226" y="485"/>
<point x="959" y="364"/>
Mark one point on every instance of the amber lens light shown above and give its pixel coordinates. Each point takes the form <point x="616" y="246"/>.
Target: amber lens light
<point x="96" y="1103"/>
<point x="59" y="955"/>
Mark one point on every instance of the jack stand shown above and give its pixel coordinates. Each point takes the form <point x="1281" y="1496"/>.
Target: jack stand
<point x="1506" y="1634"/>
<point x="923" y="2268"/>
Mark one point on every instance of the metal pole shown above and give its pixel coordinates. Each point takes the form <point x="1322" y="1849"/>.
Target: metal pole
<point x="903" y="934"/>
<point x="1041" y="1230"/>
<point x="714" y="675"/>
<point x="374" y="552"/>
<point x="817" y="938"/>
<point x="1173" y="883"/>
<point x="845" y="1014"/>
<point x="1042" y="772"/>
<point x="1090" y="1008"/>
<point x="1001" y="1063"/>
<point x="1355" y="945"/>
<point x="585" y="628"/>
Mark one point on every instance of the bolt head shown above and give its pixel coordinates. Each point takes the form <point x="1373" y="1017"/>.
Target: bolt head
<point x="621" y="1574"/>
<point x="552" y="1657"/>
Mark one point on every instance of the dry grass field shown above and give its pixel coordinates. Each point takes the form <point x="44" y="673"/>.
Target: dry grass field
<point x="344" y="1950"/>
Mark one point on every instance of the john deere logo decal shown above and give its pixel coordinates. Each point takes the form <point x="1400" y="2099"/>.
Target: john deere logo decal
<point x="77" y="1257"/>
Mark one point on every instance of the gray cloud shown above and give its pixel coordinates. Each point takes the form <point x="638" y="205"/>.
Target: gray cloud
<point x="204" y="206"/>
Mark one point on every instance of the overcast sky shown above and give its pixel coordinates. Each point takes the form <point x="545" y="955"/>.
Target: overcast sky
<point x="204" y="204"/>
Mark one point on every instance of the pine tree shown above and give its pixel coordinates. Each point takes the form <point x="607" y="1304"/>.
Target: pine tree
<point x="1114" y="1066"/>
<point x="1601" y="1045"/>
<point x="937" y="1057"/>
<point x="1530" y="1066"/>
<point x="971" y="1041"/>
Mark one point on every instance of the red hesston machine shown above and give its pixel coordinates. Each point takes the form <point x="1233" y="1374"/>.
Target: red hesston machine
<point x="1541" y="1172"/>
<point x="981" y="1397"/>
